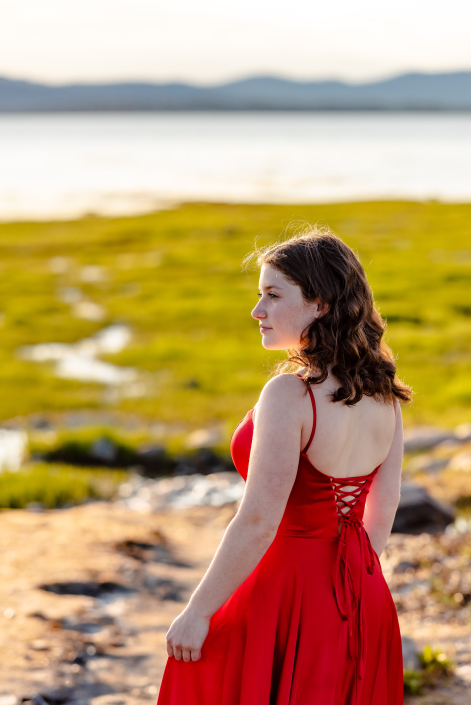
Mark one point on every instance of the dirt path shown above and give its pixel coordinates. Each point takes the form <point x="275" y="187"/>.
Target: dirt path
<point x="87" y="595"/>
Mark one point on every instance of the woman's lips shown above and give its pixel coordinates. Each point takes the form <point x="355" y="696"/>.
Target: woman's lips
<point x="263" y="329"/>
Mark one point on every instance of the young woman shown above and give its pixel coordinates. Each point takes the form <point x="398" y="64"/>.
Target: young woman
<point x="294" y="609"/>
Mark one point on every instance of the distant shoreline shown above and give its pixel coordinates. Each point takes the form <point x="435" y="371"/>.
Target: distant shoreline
<point x="440" y="92"/>
<point x="196" y="111"/>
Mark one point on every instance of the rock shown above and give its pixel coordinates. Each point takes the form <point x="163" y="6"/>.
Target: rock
<point x="461" y="461"/>
<point x="192" y="383"/>
<point x="13" y="448"/>
<point x="463" y="432"/>
<point x="89" y="310"/>
<point x="148" y="552"/>
<point x="406" y="566"/>
<point x="215" y="489"/>
<point x="420" y="438"/>
<point x="449" y="444"/>
<point x="88" y="693"/>
<point x="103" y="449"/>
<point x="69" y="295"/>
<point x="426" y="463"/>
<point x="164" y="589"/>
<point x="90" y="588"/>
<point x="410" y="654"/>
<point x="154" y="461"/>
<point x="39" y="645"/>
<point x="59" y="264"/>
<point x="207" y="462"/>
<point x="461" y="526"/>
<point x="8" y="700"/>
<point x="184" y="467"/>
<point x="57" y="696"/>
<point x="40" y="422"/>
<point x="92" y="274"/>
<point x="115" y="699"/>
<point x="204" y="438"/>
<point x="37" y="507"/>
<point x="419" y="512"/>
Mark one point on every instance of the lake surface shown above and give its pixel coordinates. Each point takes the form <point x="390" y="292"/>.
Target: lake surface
<point x="67" y="165"/>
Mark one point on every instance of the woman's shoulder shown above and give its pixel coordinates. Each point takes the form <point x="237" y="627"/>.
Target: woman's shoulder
<point x="283" y="392"/>
<point x="283" y="387"/>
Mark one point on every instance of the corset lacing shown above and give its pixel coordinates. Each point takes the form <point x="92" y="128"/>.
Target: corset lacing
<point x="349" y="526"/>
<point x="346" y="501"/>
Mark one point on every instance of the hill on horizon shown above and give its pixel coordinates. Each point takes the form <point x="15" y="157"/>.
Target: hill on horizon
<point x="411" y="91"/>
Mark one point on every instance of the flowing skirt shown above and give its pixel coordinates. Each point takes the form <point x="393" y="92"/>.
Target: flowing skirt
<point x="280" y="639"/>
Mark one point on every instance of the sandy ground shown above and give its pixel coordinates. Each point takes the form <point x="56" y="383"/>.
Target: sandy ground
<point x="88" y="593"/>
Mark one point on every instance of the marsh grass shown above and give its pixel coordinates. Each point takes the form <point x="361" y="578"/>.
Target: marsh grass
<point x="435" y="666"/>
<point x="175" y="277"/>
<point x="56" y="485"/>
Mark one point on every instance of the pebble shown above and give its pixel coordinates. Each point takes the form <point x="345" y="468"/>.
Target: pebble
<point x="8" y="700"/>
<point x="461" y="461"/>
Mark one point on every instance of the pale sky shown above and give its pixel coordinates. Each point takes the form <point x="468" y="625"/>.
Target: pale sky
<point x="208" y="41"/>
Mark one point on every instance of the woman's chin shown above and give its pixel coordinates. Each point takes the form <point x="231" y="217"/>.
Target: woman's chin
<point x="270" y="345"/>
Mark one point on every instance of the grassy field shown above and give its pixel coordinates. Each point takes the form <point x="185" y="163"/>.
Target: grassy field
<point x="175" y="277"/>
<point x="53" y="485"/>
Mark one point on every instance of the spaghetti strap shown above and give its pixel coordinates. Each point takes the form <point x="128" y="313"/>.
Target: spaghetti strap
<point x="314" y="414"/>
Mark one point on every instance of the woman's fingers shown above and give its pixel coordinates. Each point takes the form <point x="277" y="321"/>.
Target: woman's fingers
<point x="185" y="654"/>
<point x="186" y="636"/>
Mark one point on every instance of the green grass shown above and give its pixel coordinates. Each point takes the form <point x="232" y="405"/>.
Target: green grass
<point x="175" y="277"/>
<point x="56" y="485"/>
<point x="435" y="666"/>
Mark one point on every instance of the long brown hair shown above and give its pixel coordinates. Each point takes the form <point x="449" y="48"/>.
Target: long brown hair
<point x="348" y="337"/>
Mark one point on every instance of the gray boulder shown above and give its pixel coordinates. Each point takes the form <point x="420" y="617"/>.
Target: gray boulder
<point x="418" y="512"/>
<point x="419" y="438"/>
<point x="410" y="654"/>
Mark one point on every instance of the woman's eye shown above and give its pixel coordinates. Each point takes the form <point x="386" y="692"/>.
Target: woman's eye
<point x="270" y="294"/>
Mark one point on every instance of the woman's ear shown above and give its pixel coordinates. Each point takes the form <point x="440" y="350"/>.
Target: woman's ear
<point x="322" y="308"/>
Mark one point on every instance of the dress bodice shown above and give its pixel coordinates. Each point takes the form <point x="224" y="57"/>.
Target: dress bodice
<point x="318" y="502"/>
<point x="324" y="507"/>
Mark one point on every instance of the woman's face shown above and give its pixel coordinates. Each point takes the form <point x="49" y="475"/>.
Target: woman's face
<point x="282" y="312"/>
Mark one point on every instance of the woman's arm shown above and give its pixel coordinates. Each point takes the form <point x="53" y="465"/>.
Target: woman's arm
<point x="273" y="466"/>
<point x="384" y="494"/>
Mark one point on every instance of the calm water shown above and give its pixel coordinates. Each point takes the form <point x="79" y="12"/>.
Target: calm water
<point x="68" y="165"/>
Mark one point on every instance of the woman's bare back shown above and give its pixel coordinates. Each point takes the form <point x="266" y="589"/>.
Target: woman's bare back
<point x="349" y="440"/>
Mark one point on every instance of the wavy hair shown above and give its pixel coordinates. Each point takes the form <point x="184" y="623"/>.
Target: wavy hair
<point x="348" y="337"/>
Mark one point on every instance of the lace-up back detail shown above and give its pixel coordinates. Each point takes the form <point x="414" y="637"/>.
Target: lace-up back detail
<point x="349" y="493"/>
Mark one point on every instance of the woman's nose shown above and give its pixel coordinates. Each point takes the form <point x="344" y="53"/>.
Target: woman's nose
<point x="258" y="311"/>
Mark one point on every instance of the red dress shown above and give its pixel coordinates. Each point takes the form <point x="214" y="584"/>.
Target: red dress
<point x="314" y="623"/>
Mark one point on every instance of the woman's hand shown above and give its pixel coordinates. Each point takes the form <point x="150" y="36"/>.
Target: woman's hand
<point x="186" y="635"/>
